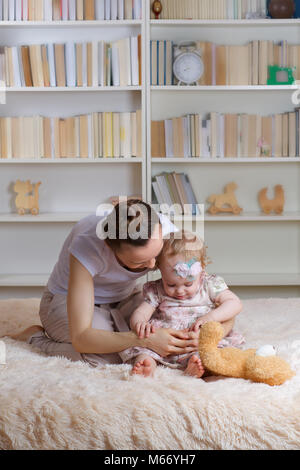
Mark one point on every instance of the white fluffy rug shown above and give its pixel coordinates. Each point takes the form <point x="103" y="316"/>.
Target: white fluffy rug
<point x="51" y="403"/>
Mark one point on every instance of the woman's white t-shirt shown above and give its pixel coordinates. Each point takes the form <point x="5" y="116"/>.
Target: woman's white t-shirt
<point x="112" y="282"/>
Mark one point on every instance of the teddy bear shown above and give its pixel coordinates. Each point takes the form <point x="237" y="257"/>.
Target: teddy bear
<point x="258" y="365"/>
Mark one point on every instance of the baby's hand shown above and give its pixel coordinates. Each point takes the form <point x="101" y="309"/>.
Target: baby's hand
<point x="201" y="321"/>
<point x="143" y="329"/>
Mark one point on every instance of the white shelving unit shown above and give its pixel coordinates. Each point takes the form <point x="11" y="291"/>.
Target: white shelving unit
<point x="258" y="255"/>
<point x="71" y="188"/>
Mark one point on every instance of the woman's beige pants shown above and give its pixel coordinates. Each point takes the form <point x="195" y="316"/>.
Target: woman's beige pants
<point x="56" y="339"/>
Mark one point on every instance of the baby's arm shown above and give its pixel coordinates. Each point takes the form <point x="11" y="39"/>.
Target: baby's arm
<point x="228" y="306"/>
<point x="139" y="320"/>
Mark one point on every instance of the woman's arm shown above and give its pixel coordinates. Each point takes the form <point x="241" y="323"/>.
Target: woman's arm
<point x="85" y="339"/>
<point x="80" y="305"/>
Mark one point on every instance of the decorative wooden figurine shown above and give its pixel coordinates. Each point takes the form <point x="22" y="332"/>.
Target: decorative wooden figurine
<point x="225" y="202"/>
<point x="157" y="8"/>
<point x="24" y="200"/>
<point x="269" y="205"/>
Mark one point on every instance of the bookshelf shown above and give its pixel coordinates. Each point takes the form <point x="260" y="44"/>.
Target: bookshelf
<point x="258" y="255"/>
<point x="71" y="187"/>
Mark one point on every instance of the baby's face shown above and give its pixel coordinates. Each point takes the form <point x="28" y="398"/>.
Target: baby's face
<point x="174" y="285"/>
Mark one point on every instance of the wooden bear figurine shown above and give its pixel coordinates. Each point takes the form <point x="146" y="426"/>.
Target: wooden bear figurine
<point x="24" y="200"/>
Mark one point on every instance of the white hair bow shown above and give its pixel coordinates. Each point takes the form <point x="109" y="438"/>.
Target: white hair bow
<point x="188" y="270"/>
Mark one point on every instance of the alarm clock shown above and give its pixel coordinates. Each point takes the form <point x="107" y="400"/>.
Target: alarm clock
<point x="188" y="66"/>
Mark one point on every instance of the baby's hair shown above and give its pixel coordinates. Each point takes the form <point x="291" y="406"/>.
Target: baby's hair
<point x="187" y="245"/>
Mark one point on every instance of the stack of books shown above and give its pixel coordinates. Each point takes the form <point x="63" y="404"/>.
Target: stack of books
<point x="212" y="9"/>
<point x="70" y="10"/>
<point x="227" y="136"/>
<point x="227" y="65"/>
<point x="96" y="135"/>
<point x="161" y="62"/>
<point x="73" y="64"/>
<point x="174" y="189"/>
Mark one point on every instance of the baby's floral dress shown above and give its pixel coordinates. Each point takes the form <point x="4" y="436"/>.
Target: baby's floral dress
<point x="180" y="314"/>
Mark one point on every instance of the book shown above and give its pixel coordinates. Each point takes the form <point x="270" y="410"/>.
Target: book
<point x="125" y="135"/>
<point x="72" y="10"/>
<point x="35" y="54"/>
<point x="79" y="65"/>
<point x="26" y="65"/>
<point x="134" y="58"/>
<point x="292" y="134"/>
<point x="158" y="148"/>
<point x="123" y="46"/>
<point x="51" y="61"/>
<point x="116" y="134"/>
<point x="99" y="9"/>
<point x="153" y="62"/>
<point x="70" y="64"/>
<point x="107" y="9"/>
<point x="89" y="10"/>
<point x="45" y="62"/>
<point x="84" y="146"/>
<point x="139" y="130"/>
<point x="56" y="9"/>
<point x="133" y="133"/>
<point x="59" y="51"/>
<point x="128" y="9"/>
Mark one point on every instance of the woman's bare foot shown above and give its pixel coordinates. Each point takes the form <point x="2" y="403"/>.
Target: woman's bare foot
<point x="25" y="334"/>
<point x="144" y="365"/>
<point x="194" y="367"/>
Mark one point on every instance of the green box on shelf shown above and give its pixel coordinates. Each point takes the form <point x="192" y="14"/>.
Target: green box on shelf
<point x="280" y="75"/>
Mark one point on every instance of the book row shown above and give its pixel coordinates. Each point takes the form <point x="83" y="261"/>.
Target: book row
<point x="96" y="135"/>
<point x="212" y="9"/>
<point x="175" y="189"/>
<point x="227" y="136"/>
<point x="70" y="10"/>
<point x="73" y="64"/>
<point x="227" y="65"/>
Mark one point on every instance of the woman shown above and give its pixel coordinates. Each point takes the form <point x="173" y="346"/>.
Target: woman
<point x="92" y="291"/>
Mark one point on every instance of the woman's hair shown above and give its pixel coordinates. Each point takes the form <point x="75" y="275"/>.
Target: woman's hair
<point x="132" y="221"/>
<point x="187" y="245"/>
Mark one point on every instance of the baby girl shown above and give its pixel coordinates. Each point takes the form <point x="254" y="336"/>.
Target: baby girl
<point x="184" y="298"/>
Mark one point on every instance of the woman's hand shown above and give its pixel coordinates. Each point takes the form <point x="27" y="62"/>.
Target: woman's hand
<point x="167" y="341"/>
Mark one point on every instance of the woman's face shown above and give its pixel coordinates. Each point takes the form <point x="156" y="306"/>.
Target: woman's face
<point x="139" y="258"/>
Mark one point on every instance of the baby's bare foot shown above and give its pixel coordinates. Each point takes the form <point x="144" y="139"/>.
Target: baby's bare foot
<point x="25" y="334"/>
<point x="144" y="366"/>
<point x="194" y="367"/>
